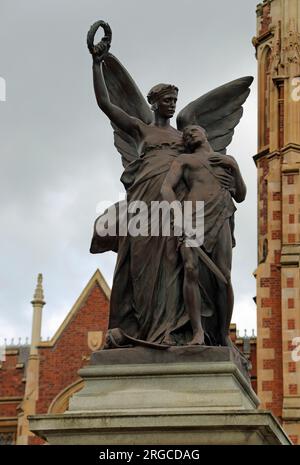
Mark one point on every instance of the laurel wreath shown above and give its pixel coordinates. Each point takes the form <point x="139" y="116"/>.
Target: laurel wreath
<point x="106" y="39"/>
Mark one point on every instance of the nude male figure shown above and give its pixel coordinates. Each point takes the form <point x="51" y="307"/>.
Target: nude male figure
<point x="214" y="179"/>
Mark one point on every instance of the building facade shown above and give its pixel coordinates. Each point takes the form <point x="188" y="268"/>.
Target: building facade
<point x="42" y="376"/>
<point x="277" y="46"/>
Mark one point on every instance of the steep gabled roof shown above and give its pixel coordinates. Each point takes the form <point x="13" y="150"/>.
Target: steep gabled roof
<point x="96" y="279"/>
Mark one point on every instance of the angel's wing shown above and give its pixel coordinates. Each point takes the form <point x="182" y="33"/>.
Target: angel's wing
<point x="218" y="112"/>
<point x="124" y="93"/>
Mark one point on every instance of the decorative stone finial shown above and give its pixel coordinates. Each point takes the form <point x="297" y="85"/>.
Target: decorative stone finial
<point x="38" y="297"/>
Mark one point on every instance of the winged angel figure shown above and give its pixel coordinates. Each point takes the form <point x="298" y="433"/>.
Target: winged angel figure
<point x="148" y="305"/>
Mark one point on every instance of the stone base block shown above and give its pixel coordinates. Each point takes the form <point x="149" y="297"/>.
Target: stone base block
<point x="183" y="395"/>
<point x="160" y="428"/>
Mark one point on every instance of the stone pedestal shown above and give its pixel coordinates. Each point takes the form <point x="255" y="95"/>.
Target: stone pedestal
<point x="182" y="395"/>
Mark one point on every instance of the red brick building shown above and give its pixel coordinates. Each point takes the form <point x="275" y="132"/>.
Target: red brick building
<point x="42" y="380"/>
<point x="278" y="165"/>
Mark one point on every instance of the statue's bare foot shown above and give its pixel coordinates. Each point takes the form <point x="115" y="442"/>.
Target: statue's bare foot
<point x="198" y="339"/>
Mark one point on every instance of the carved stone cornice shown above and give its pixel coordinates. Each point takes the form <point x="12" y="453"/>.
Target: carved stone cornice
<point x="290" y="255"/>
<point x="258" y="40"/>
<point x="289" y="147"/>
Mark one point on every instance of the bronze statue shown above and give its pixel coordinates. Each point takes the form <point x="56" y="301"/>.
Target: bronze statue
<point x="151" y="288"/>
<point x="205" y="174"/>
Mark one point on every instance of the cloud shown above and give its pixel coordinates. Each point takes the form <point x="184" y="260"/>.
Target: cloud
<point x="57" y="155"/>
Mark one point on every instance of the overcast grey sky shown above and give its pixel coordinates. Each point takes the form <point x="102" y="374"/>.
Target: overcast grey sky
<point x="57" y="155"/>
